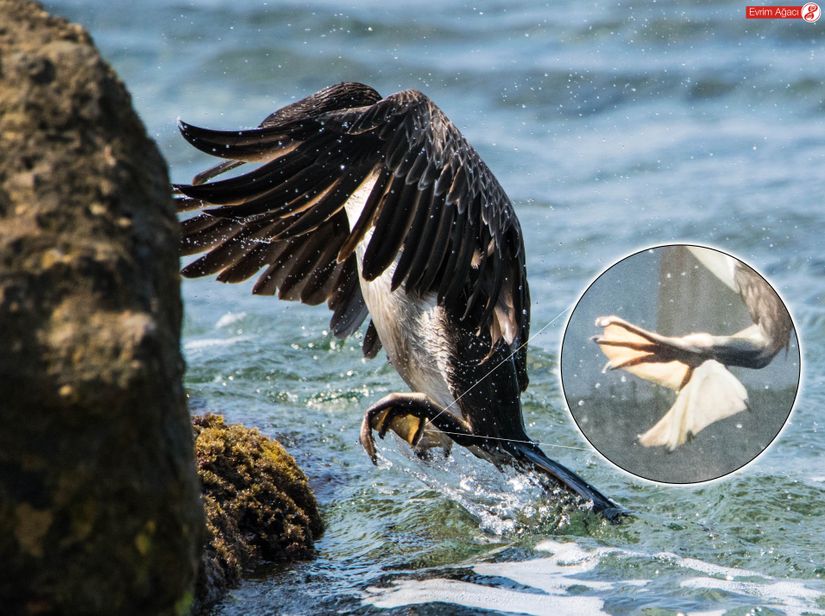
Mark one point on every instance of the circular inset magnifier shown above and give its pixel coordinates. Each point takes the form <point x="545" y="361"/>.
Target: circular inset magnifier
<point x="680" y="364"/>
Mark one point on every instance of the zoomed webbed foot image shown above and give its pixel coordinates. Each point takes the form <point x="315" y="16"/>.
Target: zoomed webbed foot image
<point x="680" y="364"/>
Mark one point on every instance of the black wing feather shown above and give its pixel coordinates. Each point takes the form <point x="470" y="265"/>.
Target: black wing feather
<point x="423" y="199"/>
<point x="435" y="209"/>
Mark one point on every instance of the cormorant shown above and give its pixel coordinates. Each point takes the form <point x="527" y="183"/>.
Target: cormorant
<point x="695" y="365"/>
<point x="381" y="208"/>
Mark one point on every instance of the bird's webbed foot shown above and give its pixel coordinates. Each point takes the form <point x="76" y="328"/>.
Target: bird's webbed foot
<point x="407" y="414"/>
<point x="643" y="346"/>
<point x="661" y="359"/>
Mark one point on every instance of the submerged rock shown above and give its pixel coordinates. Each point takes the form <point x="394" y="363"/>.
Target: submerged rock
<point x="99" y="508"/>
<point x="259" y="506"/>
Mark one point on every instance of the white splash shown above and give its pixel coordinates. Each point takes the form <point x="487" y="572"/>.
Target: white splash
<point x="413" y="592"/>
<point x="549" y="582"/>
<point x="229" y="318"/>
<point x="205" y="343"/>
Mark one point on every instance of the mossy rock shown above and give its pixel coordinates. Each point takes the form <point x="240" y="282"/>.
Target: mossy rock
<point x="259" y="506"/>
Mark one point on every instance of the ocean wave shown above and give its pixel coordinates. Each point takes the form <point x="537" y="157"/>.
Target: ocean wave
<point x="570" y="581"/>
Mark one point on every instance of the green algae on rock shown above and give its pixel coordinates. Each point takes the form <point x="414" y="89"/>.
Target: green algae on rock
<point x="99" y="510"/>
<point x="259" y="506"/>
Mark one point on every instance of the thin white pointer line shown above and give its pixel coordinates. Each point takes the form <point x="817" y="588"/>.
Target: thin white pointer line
<point x="512" y="440"/>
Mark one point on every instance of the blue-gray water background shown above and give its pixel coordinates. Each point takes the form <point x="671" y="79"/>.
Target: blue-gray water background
<point x="612" y="127"/>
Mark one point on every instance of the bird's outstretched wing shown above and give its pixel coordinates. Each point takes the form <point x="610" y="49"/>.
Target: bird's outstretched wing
<point x="435" y="209"/>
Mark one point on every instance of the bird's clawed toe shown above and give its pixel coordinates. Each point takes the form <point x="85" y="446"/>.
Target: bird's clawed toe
<point x="393" y="412"/>
<point x="645" y="354"/>
<point x="625" y="344"/>
<point x="411" y="416"/>
<point x="611" y="320"/>
<point x="405" y="425"/>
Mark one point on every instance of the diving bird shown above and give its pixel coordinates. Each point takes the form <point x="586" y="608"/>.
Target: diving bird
<point x="695" y="365"/>
<point x="381" y="208"/>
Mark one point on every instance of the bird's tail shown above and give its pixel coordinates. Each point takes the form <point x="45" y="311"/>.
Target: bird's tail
<point x="529" y="455"/>
<point x="713" y="393"/>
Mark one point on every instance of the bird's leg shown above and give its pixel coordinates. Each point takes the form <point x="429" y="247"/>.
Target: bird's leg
<point x="650" y="346"/>
<point x="746" y="348"/>
<point x="407" y="414"/>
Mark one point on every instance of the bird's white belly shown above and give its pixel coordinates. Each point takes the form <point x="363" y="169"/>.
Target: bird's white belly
<point x="407" y="327"/>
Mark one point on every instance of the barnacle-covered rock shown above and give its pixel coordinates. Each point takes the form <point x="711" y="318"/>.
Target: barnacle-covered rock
<point x="259" y="506"/>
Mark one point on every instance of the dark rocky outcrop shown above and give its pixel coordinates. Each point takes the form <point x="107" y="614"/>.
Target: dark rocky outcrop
<point x="259" y="506"/>
<point x="99" y="507"/>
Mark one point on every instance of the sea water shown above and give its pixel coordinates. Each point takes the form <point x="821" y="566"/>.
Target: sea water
<point x="612" y="126"/>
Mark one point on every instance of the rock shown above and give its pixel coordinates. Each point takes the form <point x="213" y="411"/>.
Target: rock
<point x="259" y="506"/>
<point x="99" y="508"/>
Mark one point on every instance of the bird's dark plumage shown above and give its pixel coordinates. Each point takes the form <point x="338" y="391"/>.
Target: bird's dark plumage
<point x="435" y="202"/>
<point x="435" y="235"/>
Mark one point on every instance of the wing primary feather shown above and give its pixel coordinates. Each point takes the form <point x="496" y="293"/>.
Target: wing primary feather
<point x="367" y="216"/>
<point x="345" y="282"/>
<point x="329" y="205"/>
<point x="199" y="135"/>
<point x="413" y="236"/>
<point x="349" y="318"/>
<point x="317" y="288"/>
<point x="205" y="176"/>
<point x="349" y="309"/>
<point x="214" y="261"/>
<point x="423" y="250"/>
<point x="495" y="289"/>
<point x="390" y="227"/>
<point x="201" y="223"/>
<point x="458" y="234"/>
<point x="301" y="266"/>
<point x="233" y="248"/>
<point x="290" y="198"/>
<point x="245" y="267"/>
<point x="478" y="287"/>
<point x="271" y="279"/>
<point x="187" y="204"/>
<point x="440" y="247"/>
<point x="251" y="145"/>
<point x="196" y="240"/>
<point x="458" y="269"/>
<point x="372" y="343"/>
<point x="273" y="181"/>
<point x="318" y="251"/>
